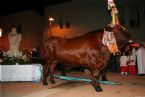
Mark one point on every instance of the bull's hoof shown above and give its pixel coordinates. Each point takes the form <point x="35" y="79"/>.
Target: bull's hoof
<point x="45" y="83"/>
<point x="63" y="74"/>
<point x="104" y="79"/>
<point x="98" y="89"/>
<point x="52" y="81"/>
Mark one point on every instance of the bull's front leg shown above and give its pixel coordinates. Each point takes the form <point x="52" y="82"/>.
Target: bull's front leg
<point x="104" y="78"/>
<point x="95" y="77"/>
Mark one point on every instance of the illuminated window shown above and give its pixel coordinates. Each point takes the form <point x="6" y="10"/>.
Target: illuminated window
<point x="134" y="20"/>
<point x="61" y="22"/>
<point x="67" y="22"/>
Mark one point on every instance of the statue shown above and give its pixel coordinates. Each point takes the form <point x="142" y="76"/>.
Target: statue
<point x="14" y="43"/>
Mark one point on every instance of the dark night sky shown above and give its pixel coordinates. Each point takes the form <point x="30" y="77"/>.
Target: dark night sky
<point x="13" y="6"/>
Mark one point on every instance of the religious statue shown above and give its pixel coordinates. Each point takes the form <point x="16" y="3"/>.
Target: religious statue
<point x="14" y="43"/>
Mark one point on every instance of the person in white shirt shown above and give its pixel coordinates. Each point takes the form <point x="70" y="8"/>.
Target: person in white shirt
<point x="123" y="64"/>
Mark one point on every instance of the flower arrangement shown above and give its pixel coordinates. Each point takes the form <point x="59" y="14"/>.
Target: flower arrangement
<point x="12" y="60"/>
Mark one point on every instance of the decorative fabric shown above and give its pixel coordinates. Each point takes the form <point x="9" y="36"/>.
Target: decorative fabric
<point x="132" y="69"/>
<point x="110" y="41"/>
<point x="132" y="64"/>
<point x="124" y="68"/>
<point x="29" y="72"/>
<point x="113" y="12"/>
<point x="132" y="60"/>
<point x="123" y="60"/>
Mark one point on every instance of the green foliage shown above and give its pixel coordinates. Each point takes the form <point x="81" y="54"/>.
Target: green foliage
<point x="13" y="60"/>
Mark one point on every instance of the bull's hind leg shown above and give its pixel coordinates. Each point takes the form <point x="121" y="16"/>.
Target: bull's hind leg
<point x="95" y="77"/>
<point x="45" y="73"/>
<point x="63" y="70"/>
<point x="52" y="69"/>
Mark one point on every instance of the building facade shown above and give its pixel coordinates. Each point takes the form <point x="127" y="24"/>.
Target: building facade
<point x="88" y="15"/>
<point x="72" y="19"/>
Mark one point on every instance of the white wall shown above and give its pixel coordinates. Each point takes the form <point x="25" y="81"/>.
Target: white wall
<point x="138" y="33"/>
<point x="31" y="27"/>
<point x="88" y="15"/>
<point x="85" y="16"/>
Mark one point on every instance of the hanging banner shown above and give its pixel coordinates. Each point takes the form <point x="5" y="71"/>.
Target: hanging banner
<point x="114" y="12"/>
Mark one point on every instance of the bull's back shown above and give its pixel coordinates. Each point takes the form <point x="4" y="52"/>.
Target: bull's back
<point x="79" y="50"/>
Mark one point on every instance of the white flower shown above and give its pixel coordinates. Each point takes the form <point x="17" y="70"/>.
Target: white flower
<point x="16" y="54"/>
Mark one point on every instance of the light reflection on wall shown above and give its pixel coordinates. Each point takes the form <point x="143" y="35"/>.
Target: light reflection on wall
<point x="4" y="43"/>
<point x="71" y="32"/>
<point x="1" y="32"/>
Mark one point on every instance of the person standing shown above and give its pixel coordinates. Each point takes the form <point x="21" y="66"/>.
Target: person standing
<point x="123" y="63"/>
<point x="140" y="53"/>
<point x="132" y="63"/>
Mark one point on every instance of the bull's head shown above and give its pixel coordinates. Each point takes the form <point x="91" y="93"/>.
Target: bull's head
<point x="122" y="35"/>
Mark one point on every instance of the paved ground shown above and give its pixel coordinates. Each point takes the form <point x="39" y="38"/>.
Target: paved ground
<point x="132" y="86"/>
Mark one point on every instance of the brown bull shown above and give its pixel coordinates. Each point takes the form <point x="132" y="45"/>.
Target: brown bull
<point x="86" y="51"/>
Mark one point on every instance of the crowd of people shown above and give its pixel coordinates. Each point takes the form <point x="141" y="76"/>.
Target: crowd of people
<point x="131" y="60"/>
